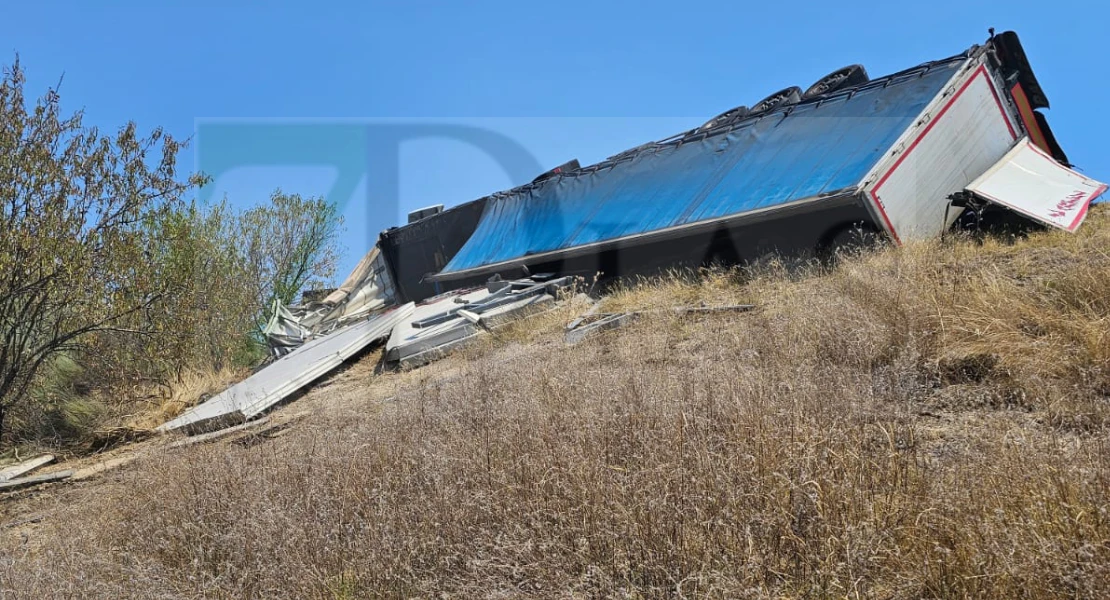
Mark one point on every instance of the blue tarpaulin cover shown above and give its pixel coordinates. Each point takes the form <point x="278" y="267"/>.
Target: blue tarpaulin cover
<point x="809" y="150"/>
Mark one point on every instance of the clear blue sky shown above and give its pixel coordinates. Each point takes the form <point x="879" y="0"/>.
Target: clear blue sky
<point x="648" y="68"/>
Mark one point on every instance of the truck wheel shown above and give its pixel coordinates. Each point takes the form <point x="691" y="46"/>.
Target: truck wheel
<point x="837" y="80"/>
<point x="632" y="151"/>
<point x="784" y="97"/>
<point x="728" y="116"/>
<point x="849" y="240"/>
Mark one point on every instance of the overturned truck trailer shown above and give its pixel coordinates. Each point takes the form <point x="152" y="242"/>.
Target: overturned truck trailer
<point x="900" y="156"/>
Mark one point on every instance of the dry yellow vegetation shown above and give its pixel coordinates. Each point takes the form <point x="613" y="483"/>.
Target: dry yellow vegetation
<point x="931" y="421"/>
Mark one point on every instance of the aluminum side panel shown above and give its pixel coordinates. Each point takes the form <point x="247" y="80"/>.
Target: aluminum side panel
<point x="963" y="133"/>
<point x="267" y="387"/>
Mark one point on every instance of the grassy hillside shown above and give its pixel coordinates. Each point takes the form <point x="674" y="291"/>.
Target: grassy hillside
<point x="929" y="421"/>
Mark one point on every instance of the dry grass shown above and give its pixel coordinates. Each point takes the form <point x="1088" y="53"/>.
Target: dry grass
<point x="70" y="421"/>
<point x="927" y="422"/>
<point x="192" y="388"/>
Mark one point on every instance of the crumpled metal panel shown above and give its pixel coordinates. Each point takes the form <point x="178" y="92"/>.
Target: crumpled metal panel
<point x="257" y="393"/>
<point x="1032" y="183"/>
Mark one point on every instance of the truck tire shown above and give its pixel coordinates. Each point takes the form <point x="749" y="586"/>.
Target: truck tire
<point x="783" y="97"/>
<point x="632" y="152"/>
<point x="726" y="117"/>
<point x="848" y="240"/>
<point x="839" y="79"/>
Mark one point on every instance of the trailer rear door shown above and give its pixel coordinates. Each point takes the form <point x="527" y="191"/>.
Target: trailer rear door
<point x="1032" y="183"/>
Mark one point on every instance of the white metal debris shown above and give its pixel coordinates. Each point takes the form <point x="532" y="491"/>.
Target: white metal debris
<point x="254" y="395"/>
<point x="1034" y="184"/>
<point x="367" y="289"/>
<point x="24" y="482"/>
<point x="13" y="471"/>
<point x="445" y="322"/>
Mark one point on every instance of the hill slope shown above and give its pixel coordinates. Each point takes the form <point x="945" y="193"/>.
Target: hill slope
<point x="929" y="421"/>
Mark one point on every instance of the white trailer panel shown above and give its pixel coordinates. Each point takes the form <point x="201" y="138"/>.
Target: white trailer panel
<point x="964" y="131"/>
<point x="257" y="393"/>
<point x="1031" y="182"/>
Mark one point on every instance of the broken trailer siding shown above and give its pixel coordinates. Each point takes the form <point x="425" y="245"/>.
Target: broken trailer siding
<point x="280" y="379"/>
<point x="1030" y="182"/>
<point x="453" y="319"/>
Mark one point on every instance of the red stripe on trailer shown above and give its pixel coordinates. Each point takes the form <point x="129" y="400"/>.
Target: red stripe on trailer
<point x="1001" y="109"/>
<point x="889" y="226"/>
<point x="1086" y="205"/>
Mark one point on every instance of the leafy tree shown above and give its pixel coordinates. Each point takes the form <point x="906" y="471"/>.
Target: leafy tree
<point x="206" y="314"/>
<point x="290" y="243"/>
<point x="77" y="209"/>
<point x="102" y="260"/>
<point x="225" y="269"/>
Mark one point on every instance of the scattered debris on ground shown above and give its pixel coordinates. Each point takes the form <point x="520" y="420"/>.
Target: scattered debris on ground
<point x="22" y="468"/>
